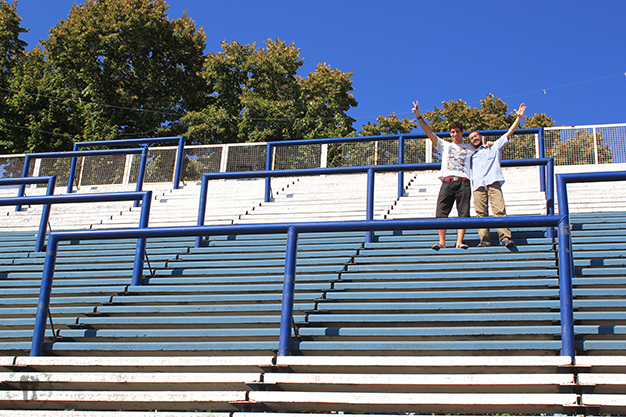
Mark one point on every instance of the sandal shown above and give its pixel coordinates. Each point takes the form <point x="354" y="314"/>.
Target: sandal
<point x="462" y="246"/>
<point x="437" y="246"/>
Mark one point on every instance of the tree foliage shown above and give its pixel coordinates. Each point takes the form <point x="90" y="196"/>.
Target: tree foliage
<point x="11" y="53"/>
<point x="255" y="94"/>
<point x="492" y="115"/>
<point x="114" y="68"/>
<point x="41" y="112"/>
<point x="388" y="126"/>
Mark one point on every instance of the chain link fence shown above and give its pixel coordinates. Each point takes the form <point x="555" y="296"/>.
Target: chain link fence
<point x="576" y="145"/>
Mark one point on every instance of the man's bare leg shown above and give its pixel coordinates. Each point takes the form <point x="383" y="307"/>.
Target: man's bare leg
<point x="460" y="234"/>
<point x="442" y="237"/>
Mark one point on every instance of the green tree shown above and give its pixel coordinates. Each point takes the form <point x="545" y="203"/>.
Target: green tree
<point x="492" y="115"/>
<point x="41" y="113"/>
<point x="388" y="126"/>
<point x="11" y="52"/>
<point x="128" y="68"/>
<point x="580" y="150"/>
<point x="255" y="94"/>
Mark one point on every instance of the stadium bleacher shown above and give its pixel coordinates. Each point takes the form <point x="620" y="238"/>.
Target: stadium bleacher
<point x="388" y="327"/>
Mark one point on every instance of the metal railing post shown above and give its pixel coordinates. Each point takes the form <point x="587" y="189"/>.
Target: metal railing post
<point x="286" y="315"/>
<point x="45" y="217"/>
<point x="22" y="190"/>
<point x="369" y="209"/>
<point x="542" y="154"/>
<point x="400" y="161"/>
<point x="142" y="172"/>
<point x="268" y="167"/>
<point x="550" y="194"/>
<point x="202" y="208"/>
<point x="70" y="180"/>
<point x="140" y="251"/>
<point x="44" y="298"/>
<point x="565" y="288"/>
<point x="179" y="162"/>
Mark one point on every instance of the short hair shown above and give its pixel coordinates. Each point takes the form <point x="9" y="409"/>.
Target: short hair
<point x="456" y="125"/>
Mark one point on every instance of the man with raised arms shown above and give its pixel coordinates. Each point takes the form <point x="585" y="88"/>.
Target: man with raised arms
<point x="454" y="175"/>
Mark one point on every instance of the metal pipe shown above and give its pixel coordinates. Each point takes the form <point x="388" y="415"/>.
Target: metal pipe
<point x="74" y="198"/>
<point x="268" y="168"/>
<point x="286" y="313"/>
<point x="70" y="180"/>
<point x="22" y="189"/>
<point x="142" y="172"/>
<point x="179" y="162"/>
<point x="373" y="225"/>
<point x="550" y="194"/>
<point x="542" y="154"/>
<point x="565" y="288"/>
<point x="73" y="154"/>
<point x="140" y="251"/>
<point x="202" y="208"/>
<point x="400" y="162"/>
<point x="44" y="297"/>
<point x="45" y="217"/>
<point x="369" y="209"/>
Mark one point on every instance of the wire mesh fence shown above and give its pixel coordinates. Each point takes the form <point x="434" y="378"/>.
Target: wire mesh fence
<point x="297" y="156"/>
<point x="577" y="145"/>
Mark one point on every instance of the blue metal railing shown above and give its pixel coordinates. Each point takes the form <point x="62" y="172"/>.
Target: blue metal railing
<point x="546" y="181"/>
<point x="43" y="155"/>
<point x="292" y="230"/>
<point x="45" y="210"/>
<point x="143" y="196"/>
<point x="144" y="142"/>
<point x="400" y="138"/>
<point x="563" y="179"/>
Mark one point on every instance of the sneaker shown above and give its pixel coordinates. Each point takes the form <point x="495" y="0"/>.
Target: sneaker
<point x="508" y="243"/>
<point x="484" y="245"/>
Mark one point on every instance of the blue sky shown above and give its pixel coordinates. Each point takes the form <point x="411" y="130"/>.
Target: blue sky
<point x="562" y="58"/>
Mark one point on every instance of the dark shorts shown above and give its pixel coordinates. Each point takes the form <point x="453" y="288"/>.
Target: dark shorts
<point x="451" y="192"/>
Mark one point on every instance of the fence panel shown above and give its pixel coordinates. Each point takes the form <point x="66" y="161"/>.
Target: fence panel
<point x="584" y="145"/>
<point x="246" y="157"/>
<point x="160" y="164"/>
<point x="200" y="159"/>
<point x="297" y="156"/>
<point x="94" y="170"/>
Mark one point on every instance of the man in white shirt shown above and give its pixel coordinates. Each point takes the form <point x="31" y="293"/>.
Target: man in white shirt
<point x="455" y="175"/>
<point x="487" y="180"/>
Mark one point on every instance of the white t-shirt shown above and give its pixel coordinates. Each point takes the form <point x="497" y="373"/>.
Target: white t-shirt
<point x="455" y="159"/>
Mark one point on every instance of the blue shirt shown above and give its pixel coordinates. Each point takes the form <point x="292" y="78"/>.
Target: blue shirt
<point x="486" y="164"/>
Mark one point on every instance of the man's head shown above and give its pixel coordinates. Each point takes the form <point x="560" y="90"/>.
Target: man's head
<point x="476" y="139"/>
<point x="456" y="132"/>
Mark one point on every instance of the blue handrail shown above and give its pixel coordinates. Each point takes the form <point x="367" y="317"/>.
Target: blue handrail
<point x="563" y="179"/>
<point x="400" y="138"/>
<point x="45" y="210"/>
<point x="292" y="229"/>
<point x="547" y="182"/>
<point x="98" y="152"/>
<point x="144" y="142"/>
<point x="47" y="200"/>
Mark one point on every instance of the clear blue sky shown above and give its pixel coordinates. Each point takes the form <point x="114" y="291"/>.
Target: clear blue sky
<point x="432" y="51"/>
